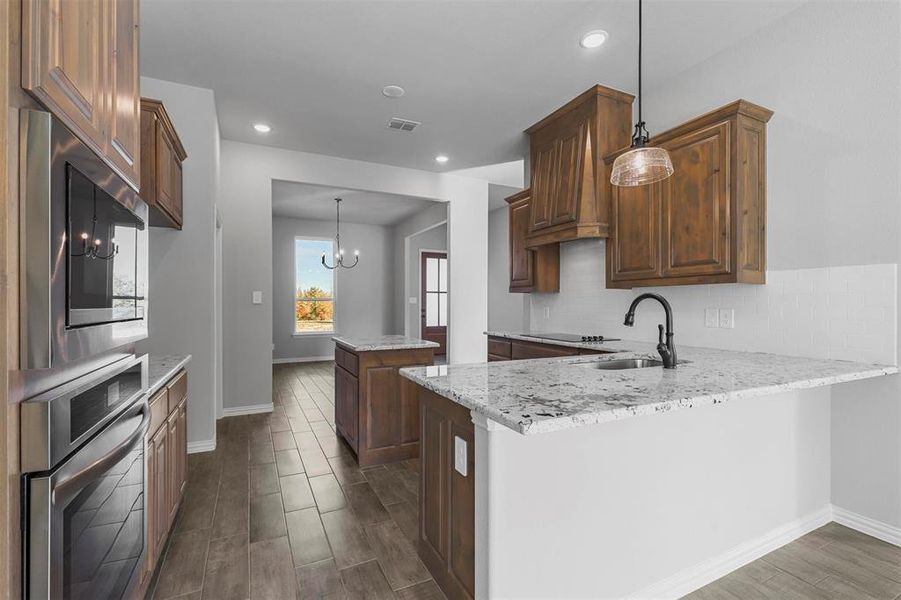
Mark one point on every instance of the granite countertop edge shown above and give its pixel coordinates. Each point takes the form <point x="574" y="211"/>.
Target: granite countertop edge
<point x="383" y="342"/>
<point x="161" y="368"/>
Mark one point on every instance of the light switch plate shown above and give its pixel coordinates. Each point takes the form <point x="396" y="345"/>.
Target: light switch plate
<point x="547" y="312"/>
<point x="257" y="297"/>
<point x="711" y="317"/>
<point x="412" y="300"/>
<point x="727" y="318"/>
<point x="460" y="455"/>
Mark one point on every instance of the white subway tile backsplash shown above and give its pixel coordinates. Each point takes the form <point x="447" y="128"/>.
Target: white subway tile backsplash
<point x="846" y="312"/>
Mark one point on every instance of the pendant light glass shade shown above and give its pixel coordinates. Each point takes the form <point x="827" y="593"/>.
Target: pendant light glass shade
<point x="641" y="166"/>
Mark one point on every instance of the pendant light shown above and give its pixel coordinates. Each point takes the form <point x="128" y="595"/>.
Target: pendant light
<point x="642" y="164"/>
<point x="339" y="256"/>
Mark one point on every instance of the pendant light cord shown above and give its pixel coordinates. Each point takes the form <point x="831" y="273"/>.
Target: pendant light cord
<point x="640" y="136"/>
<point x="639" y="62"/>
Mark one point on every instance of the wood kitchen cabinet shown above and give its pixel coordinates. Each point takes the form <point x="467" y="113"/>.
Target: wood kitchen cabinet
<point x="162" y="155"/>
<point x="569" y="198"/>
<point x="166" y="453"/>
<point x="531" y="269"/>
<point x="500" y="348"/>
<point x="377" y="410"/>
<point x="707" y="222"/>
<point x="447" y="495"/>
<point x="80" y="60"/>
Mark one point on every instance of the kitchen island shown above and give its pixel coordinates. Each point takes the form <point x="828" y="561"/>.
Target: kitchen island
<point x="588" y="482"/>
<point x="376" y="411"/>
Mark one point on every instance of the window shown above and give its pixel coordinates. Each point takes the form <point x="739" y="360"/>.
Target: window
<point x="314" y="287"/>
<point x="435" y="290"/>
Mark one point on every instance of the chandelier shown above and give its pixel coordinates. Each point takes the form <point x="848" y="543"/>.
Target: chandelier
<point x="339" y="256"/>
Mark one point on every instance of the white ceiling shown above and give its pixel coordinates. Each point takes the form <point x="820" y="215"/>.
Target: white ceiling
<point x="316" y="202"/>
<point x="476" y="73"/>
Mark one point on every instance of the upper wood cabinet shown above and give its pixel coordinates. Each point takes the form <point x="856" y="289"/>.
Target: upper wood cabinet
<point x="706" y="223"/>
<point x="531" y="270"/>
<point x="80" y="60"/>
<point x="162" y="155"/>
<point x="569" y="196"/>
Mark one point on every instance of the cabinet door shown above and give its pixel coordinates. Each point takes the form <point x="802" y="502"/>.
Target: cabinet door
<point x="63" y="62"/>
<point x="150" y="511"/>
<point x="544" y="186"/>
<point x="352" y="399"/>
<point x="182" y="448"/>
<point x="696" y="207"/>
<point x="172" y="460"/>
<point x="160" y="499"/>
<point x="521" y="259"/>
<point x="340" y="419"/>
<point x="165" y="178"/>
<point x="565" y="207"/>
<point x="634" y="247"/>
<point x="177" y="208"/>
<point x="124" y="136"/>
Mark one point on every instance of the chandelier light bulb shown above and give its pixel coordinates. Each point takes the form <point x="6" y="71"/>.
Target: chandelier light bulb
<point x="97" y="242"/>
<point x="356" y="253"/>
<point x="84" y="236"/>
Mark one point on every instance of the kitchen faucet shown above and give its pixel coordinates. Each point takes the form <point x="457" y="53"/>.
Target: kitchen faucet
<point x="666" y="349"/>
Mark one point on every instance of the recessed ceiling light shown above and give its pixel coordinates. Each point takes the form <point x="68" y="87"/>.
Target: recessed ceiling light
<point x="594" y="38"/>
<point x="393" y="91"/>
<point x="441" y="158"/>
<point x="262" y="127"/>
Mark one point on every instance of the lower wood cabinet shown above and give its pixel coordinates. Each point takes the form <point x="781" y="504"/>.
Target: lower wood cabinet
<point x="447" y="496"/>
<point x="506" y="349"/>
<point x="166" y="452"/>
<point x="377" y="410"/>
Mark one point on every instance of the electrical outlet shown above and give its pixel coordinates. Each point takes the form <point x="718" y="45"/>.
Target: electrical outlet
<point x="711" y="317"/>
<point x="547" y="312"/>
<point x="257" y="298"/>
<point x="460" y="455"/>
<point x="727" y="318"/>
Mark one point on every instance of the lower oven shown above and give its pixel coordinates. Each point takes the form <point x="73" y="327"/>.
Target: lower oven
<point x="84" y="485"/>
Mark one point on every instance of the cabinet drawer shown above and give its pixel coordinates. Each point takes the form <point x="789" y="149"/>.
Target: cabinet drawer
<point x="349" y="361"/>
<point x="159" y="410"/>
<point x="178" y="390"/>
<point x="499" y="347"/>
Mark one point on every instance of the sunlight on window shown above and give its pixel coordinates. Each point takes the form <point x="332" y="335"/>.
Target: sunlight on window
<point x="314" y="287"/>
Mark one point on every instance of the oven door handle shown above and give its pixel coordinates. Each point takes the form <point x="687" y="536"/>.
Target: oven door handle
<point x="78" y="480"/>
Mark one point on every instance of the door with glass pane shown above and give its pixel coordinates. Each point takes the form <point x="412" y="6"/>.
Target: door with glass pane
<point x="433" y="299"/>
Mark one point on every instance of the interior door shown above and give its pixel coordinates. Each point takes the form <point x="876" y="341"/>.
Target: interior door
<point x="433" y="298"/>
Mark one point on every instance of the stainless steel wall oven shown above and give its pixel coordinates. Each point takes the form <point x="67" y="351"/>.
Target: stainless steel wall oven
<point x="84" y="250"/>
<point x="84" y="485"/>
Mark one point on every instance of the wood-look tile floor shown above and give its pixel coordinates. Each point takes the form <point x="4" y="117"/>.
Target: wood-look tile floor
<point x="280" y="510"/>
<point x="831" y="563"/>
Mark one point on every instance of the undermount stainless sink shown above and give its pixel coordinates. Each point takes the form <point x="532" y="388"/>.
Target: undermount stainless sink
<point x="626" y="363"/>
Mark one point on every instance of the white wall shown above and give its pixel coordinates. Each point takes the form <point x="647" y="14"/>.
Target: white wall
<point x="506" y="311"/>
<point x="364" y="294"/>
<point x="432" y="239"/>
<point x="635" y="501"/>
<point x="181" y="262"/>
<point x="246" y="202"/>
<point x="422" y="221"/>
<point x="830" y="71"/>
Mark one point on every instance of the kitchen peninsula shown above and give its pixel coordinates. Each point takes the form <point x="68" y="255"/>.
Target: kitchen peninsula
<point x="642" y="507"/>
<point x="376" y="411"/>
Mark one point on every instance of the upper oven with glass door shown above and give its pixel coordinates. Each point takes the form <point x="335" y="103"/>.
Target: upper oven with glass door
<point x="84" y="250"/>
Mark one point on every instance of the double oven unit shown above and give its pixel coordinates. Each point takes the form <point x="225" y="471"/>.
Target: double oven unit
<point x="84" y="254"/>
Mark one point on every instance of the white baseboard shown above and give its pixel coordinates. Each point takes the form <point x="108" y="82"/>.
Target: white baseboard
<point x="872" y="527"/>
<point x="284" y="361"/>
<point x="710" y="570"/>
<point x="201" y="446"/>
<point x="253" y="409"/>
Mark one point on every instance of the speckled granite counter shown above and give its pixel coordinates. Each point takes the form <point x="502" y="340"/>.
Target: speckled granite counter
<point x="162" y="368"/>
<point x="534" y="396"/>
<point x="383" y="342"/>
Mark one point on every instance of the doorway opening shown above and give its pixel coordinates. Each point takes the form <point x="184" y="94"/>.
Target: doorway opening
<point x="433" y="298"/>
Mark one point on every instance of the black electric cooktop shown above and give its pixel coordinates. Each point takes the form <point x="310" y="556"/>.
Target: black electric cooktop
<point x="571" y="337"/>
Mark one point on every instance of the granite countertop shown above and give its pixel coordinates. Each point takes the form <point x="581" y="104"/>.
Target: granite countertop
<point x="161" y="368"/>
<point x="550" y="394"/>
<point x="383" y="342"/>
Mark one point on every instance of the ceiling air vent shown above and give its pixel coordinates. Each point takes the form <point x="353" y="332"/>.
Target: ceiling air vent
<point x="399" y="124"/>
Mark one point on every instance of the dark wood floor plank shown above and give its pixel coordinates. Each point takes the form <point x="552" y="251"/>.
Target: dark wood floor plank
<point x="346" y="470"/>
<point x="388" y="487"/>
<point x="263" y="479"/>
<point x="365" y="504"/>
<point x="327" y="493"/>
<point x="227" y="567"/>
<point x="314" y="462"/>
<point x="296" y="492"/>
<point x="183" y="565"/>
<point x="267" y="517"/>
<point x="232" y="511"/>
<point x="366" y="581"/>
<point x="261" y="453"/>
<point x="320" y="580"/>
<point x="307" y="537"/>
<point x="427" y="590"/>
<point x="396" y="555"/>
<point x="406" y="516"/>
<point x="843" y="590"/>
<point x="272" y="574"/>
<point x="282" y="440"/>
<point x="348" y="542"/>
<point x="288" y="462"/>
